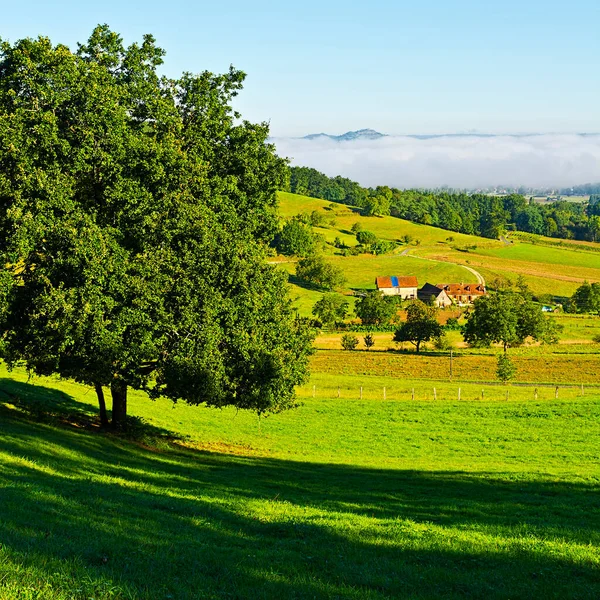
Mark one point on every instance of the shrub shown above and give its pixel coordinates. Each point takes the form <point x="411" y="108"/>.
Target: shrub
<point x="349" y="341"/>
<point x="356" y="228"/>
<point x="319" y="273"/>
<point x="506" y="369"/>
<point x="366" y="238"/>
<point x="295" y="238"/>
<point x="330" y="308"/>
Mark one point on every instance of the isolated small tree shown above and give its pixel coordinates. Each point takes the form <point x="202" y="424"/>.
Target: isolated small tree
<point x="330" y="309"/>
<point x="420" y="326"/>
<point x="318" y="272"/>
<point x="369" y="341"/>
<point x="374" y="308"/>
<point x="506" y="369"/>
<point x="349" y="341"/>
<point x="586" y="298"/>
<point x="356" y="227"/>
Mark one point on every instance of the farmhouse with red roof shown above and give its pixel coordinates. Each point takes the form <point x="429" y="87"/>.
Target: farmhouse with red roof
<point x="405" y="287"/>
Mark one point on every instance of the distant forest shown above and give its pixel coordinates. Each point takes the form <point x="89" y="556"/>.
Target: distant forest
<point x="478" y="214"/>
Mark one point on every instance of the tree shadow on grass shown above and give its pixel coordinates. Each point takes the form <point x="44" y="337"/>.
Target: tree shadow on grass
<point x="49" y="405"/>
<point x="111" y="515"/>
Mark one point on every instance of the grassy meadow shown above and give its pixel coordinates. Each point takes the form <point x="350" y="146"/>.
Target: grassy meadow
<point x="549" y="266"/>
<point x="339" y="498"/>
<point x="389" y="480"/>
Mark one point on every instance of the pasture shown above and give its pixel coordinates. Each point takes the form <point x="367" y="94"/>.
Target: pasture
<point x="549" y="266"/>
<point x="340" y="498"/>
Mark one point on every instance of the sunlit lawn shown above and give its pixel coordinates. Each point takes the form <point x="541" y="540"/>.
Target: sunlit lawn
<point x="340" y="498"/>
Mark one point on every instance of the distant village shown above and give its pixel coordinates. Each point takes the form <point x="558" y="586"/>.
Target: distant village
<point x="440" y="294"/>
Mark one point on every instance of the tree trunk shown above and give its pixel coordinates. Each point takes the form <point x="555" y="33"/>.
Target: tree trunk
<point x="418" y="346"/>
<point x="102" y="404"/>
<point x="118" y="391"/>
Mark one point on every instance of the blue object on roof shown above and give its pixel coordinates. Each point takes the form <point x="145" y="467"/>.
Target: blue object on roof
<point x="394" y="281"/>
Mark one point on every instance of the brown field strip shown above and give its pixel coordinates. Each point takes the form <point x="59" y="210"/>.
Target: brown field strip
<point x="567" y="368"/>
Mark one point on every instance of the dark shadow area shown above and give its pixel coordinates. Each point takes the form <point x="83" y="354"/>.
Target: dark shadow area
<point x="186" y="524"/>
<point x="305" y="284"/>
<point x="48" y="405"/>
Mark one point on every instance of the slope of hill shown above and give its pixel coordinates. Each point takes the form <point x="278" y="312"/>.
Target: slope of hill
<point x="548" y="267"/>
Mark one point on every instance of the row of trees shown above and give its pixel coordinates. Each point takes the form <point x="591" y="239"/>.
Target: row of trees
<point x="477" y="214"/>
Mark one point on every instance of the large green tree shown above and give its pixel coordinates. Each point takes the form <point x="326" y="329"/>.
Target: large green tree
<point x="508" y="318"/>
<point x="135" y="213"/>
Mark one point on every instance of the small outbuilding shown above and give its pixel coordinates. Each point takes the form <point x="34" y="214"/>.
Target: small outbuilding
<point x="405" y="287"/>
<point x="432" y="294"/>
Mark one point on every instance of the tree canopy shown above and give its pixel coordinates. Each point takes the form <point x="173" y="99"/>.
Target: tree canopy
<point x="421" y="325"/>
<point x="508" y="318"/>
<point x="135" y="214"/>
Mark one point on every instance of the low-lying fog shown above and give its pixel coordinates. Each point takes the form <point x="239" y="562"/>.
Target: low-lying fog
<point x="540" y="161"/>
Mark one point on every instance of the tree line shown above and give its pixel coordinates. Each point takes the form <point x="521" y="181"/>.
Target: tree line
<point x="475" y="214"/>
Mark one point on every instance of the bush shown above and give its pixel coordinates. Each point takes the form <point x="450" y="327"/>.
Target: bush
<point x="375" y="309"/>
<point x="330" y="308"/>
<point x="356" y="228"/>
<point x="319" y="273"/>
<point x="452" y="324"/>
<point x="349" y="341"/>
<point x="506" y="369"/>
<point x="295" y="238"/>
<point x="442" y="343"/>
<point x="366" y="238"/>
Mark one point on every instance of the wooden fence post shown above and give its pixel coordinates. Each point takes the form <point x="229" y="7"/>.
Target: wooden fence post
<point x="384" y="393"/>
<point x="413" y="393"/>
<point x="434" y="394"/>
<point x="582" y="389"/>
<point x="314" y="390"/>
<point x="361" y="392"/>
<point x="535" y="394"/>
<point x="338" y="391"/>
<point x="507" y="394"/>
<point x="459" y="394"/>
<point x="556" y="393"/>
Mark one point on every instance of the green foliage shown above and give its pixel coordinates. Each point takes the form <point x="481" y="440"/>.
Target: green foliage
<point x="421" y="325"/>
<point x="318" y="272"/>
<point x="452" y="324"/>
<point x="349" y="341"/>
<point x="586" y="298"/>
<point x="506" y="369"/>
<point x="357" y="227"/>
<point x="295" y="239"/>
<point x="374" y="308"/>
<point x="508" y="318"/>
<point x="330" y="309"/>
<point x="366" y="238"/>
<point x="135" y="215"/>
<point x="369" y="341"/>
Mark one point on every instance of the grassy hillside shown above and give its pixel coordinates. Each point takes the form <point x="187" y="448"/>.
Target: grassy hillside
<point x="549" y="266"/>
<point x="337" y="499"/>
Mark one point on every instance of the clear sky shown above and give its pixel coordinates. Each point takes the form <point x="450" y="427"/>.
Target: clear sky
<point x="395" y="66"/>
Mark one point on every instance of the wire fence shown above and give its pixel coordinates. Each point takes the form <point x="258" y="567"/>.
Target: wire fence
<point x="447" y="392"/>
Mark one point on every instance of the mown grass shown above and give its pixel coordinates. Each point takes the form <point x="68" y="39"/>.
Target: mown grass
<point x="337" y="499"/>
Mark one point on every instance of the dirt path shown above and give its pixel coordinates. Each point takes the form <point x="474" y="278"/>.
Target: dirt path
<point x="477" y="274"/>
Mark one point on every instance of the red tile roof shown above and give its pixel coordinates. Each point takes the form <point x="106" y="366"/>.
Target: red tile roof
<point x="462" y="289"/>
<point x="403" y="282"/>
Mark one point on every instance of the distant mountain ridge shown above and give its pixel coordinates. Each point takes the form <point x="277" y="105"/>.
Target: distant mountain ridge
<point x="371" y="134"/>
<point x="360" y="134"/>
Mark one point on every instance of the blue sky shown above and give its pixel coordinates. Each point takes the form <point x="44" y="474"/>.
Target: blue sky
<point x="396" y="66"/>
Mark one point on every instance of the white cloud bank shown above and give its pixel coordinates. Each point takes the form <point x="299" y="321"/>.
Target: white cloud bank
<point x="539" y="161"/>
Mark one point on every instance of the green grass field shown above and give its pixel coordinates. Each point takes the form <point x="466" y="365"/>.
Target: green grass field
<point x="336" y="499"/>
<point x="548" y="265"/>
